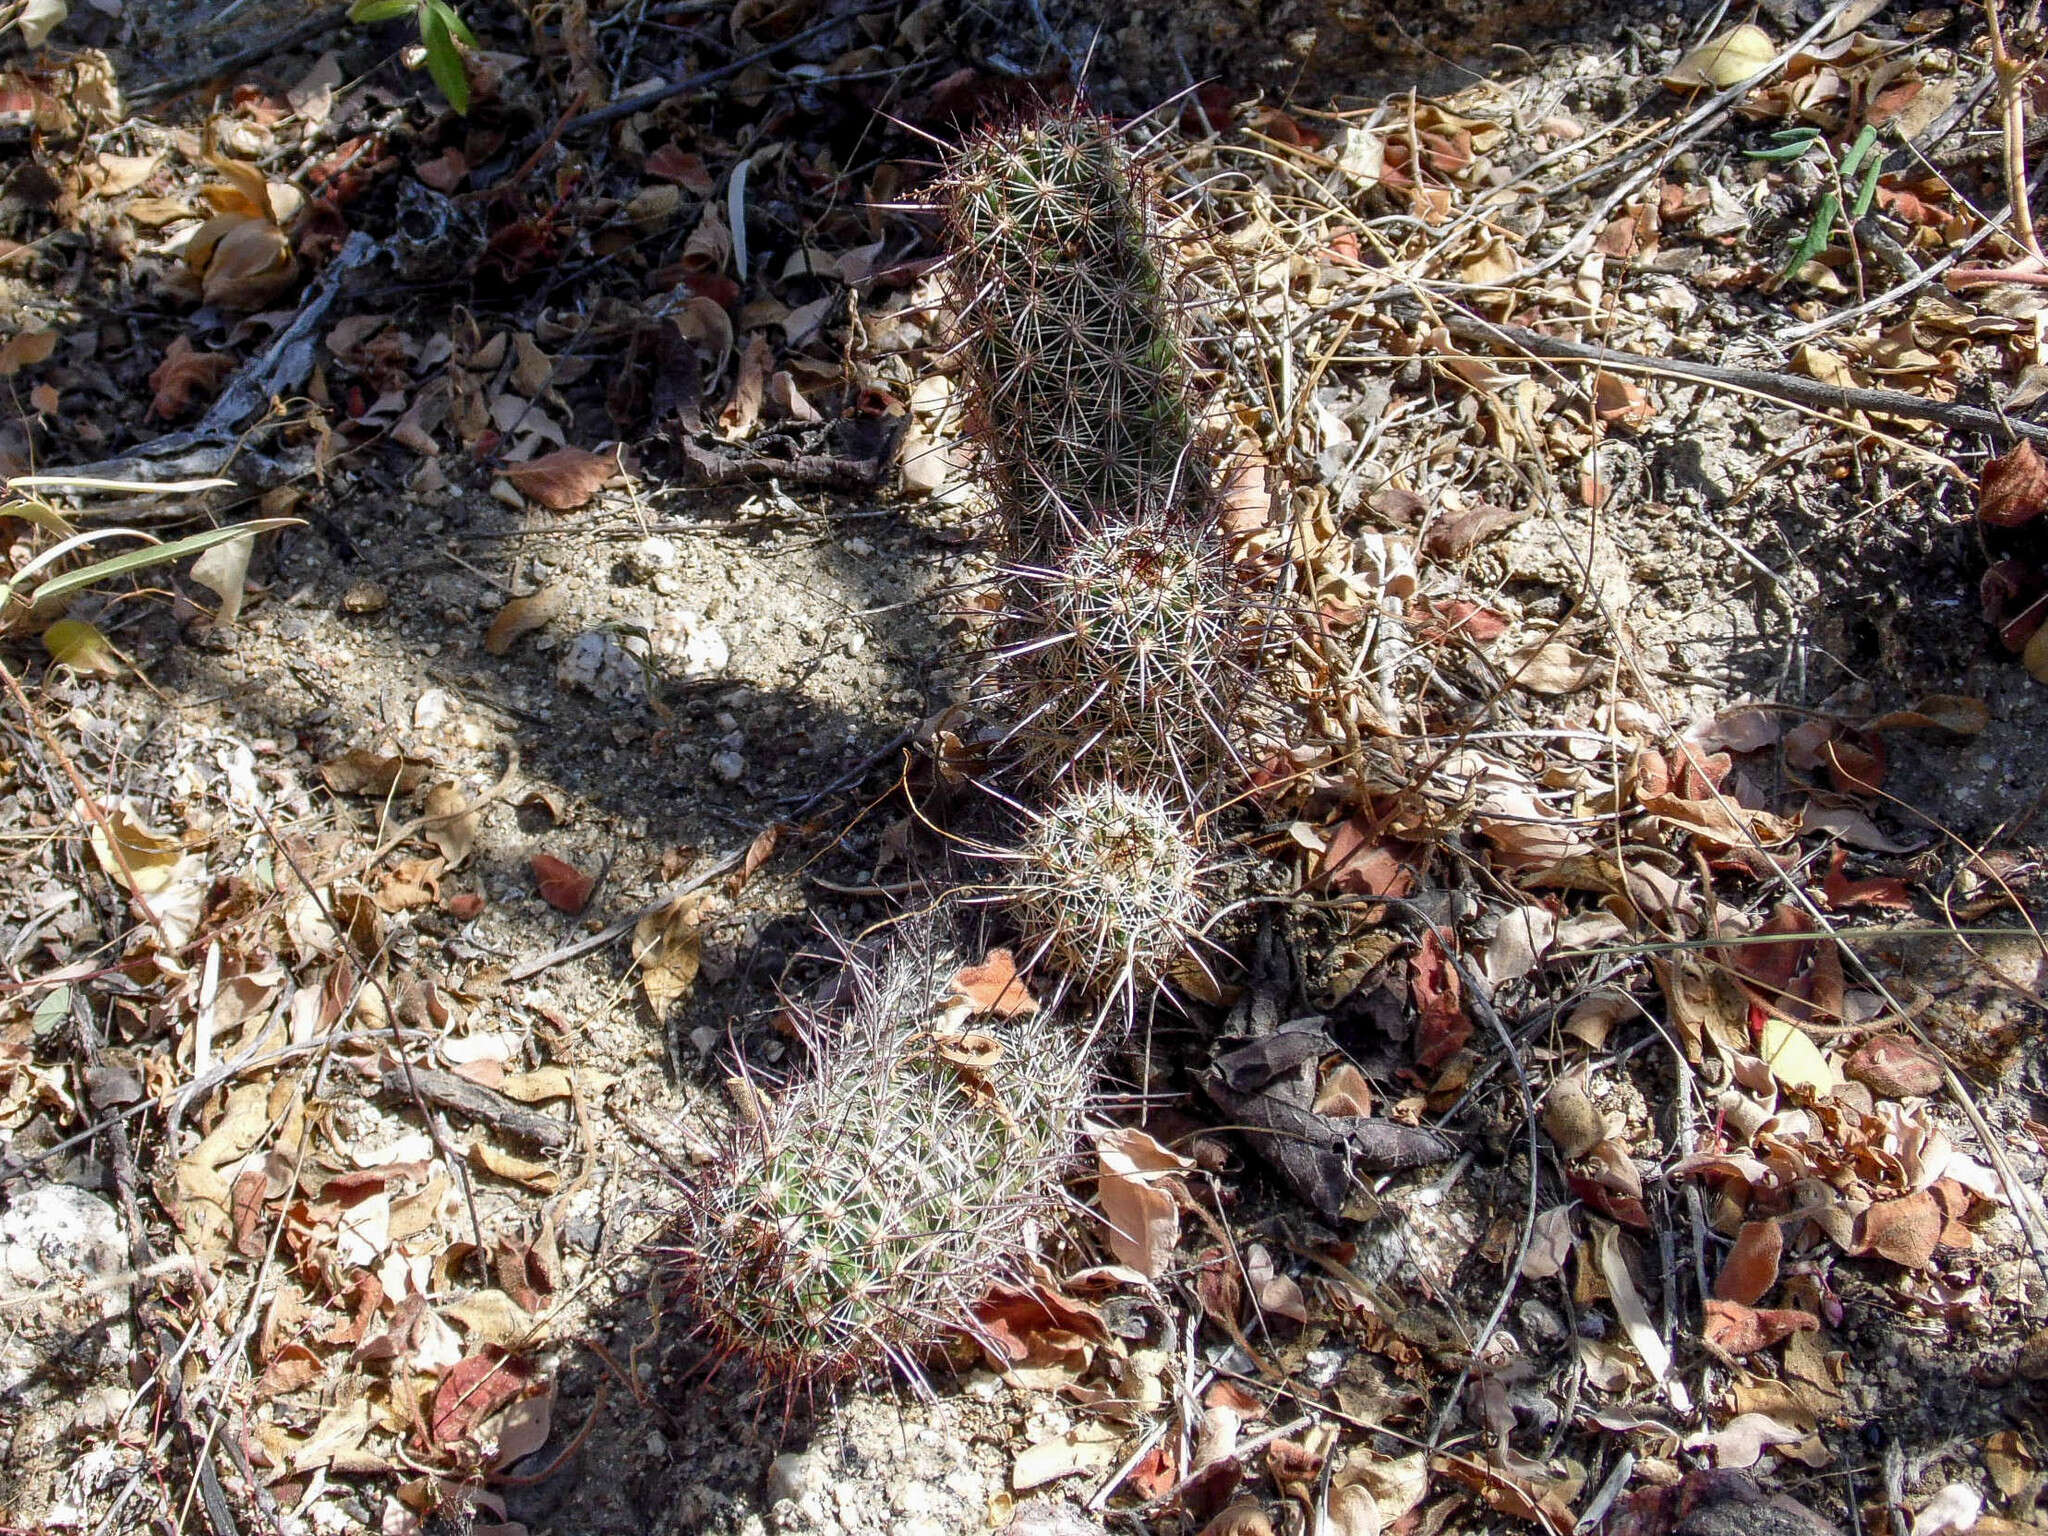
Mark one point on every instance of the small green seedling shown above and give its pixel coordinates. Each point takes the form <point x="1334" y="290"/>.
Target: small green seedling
<point x="441" y="30"/>
<point x="1789" y="144"/>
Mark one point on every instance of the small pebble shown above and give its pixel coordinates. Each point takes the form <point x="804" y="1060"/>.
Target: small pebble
<point x="365" y="597"/>
<point x="728" y="766"/>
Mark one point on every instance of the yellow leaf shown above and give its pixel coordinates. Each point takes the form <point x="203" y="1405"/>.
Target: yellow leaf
<point x="1727" y="60"/>
<point x="80" y="646"/>
<point x="1795" y="1061"/>
<point x="134" y="853"/>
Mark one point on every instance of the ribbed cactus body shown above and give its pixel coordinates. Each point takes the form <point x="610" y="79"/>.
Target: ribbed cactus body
<point x="1073" y="355"/>
<point x="1126" y="653"/>
<point x="870" y="1205"/>
<point x="1110" y="884"/>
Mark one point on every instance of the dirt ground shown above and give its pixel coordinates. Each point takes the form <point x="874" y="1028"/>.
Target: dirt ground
<point x="767" y="654"/>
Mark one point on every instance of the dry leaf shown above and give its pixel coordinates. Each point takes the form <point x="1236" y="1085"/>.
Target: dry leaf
<point x="523" y="615"/>
<point x="1752" y="1265"/>
<point x="452" y="825"/>
<point x="359" y="771"/>
<point x="520" y="1170"/>
<point x="1550" y="666"/>
<point x="562" y="885"/>
<point x="1894" y="1067"/>
<point x="475" y="1388"/>
<point x="1740" y="1441"/>
<point x="1794" y="1060"/>
<point x="1726" y="60"/>
<point x="26" y="349"/>
<point x="1904" y="1231"/>
<point x="184" y="377"/>
<point x="1735" y="1329"/>
<point x="1135" y="1176"/>
<point x="2014" y="490"/>
<point x="668" y="948"/>
<point x="743" y="410"/>
<point x="563" y="480"/>
<point x="224" y="571"/>
<point x="994" y="987"/>
<point x="1956" y="713"/>
<point x="1634" y="1315"/>
<point x="1344" y="1093"/>
<point x="248" y="266"/>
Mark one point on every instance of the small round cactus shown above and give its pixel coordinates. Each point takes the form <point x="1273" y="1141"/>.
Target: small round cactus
<point x="863" y="1212"/>
<point x="1128" y="653"/>
<point x="1110" y="885"/>
<point x="1076" y="365"/>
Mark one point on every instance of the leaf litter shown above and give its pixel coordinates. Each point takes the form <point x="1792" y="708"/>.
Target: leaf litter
<point x="1634" y="834"/>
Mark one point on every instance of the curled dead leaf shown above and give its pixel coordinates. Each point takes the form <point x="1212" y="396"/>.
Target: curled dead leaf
<point x="1751" y="1268"/>
<point x="563" y="480"/>
<point x="994" y="987"/>
<point x="2014" y="488"/>
<point x="562" y="885"/>
<point x="523" y="615"/>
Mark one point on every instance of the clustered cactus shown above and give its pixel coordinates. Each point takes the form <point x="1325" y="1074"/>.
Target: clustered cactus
<point x="862" y="1213"/>
<point x="858" y="1216"/>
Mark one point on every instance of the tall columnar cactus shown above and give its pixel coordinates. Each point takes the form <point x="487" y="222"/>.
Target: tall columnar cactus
<point x="1111" y="884"/>
<point x="1127" y="653"/>
<point x="861" y="1213"/>
<point x="1073" y="353"/>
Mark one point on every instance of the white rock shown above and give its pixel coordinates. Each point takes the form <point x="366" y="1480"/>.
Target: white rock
<point x="653" y="555"/>
<point x="690" y="643"/>
<point x="432" y="709"/>
<point x="58" y="1238"/>
<point x="597" y="662"/>
<point x="729" y="766"/>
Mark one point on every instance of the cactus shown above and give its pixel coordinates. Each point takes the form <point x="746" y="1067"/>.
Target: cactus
<point x="863" y="1212"/>
<point x="1128" y="653"/>
<point x="1110" y="884"/>
<point x="1076" y="368"/>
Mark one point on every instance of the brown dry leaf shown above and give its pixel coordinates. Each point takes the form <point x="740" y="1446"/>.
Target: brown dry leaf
<point x="26" y="349"/>
<point x="1956" y="713"/>
<point x="130" y="851"/>
<point x="1740" y="1441"/>
<point x="2014" y="489"/>
<point x="1633" y="1313"/>
<point x="994" y="987"/>
<point x="520" y="1170"/>
<point x="668" y="946"/>
<point x="360" y="771"/>
<point x="184" y="377"/>
<point x="539" y="1086"/>
<point x="1344" y="1093"/>
<point x="1550" y="666"/>
<point x="686" y="170"/>
<point x="743" y="410"/>
<point x="563" y="480"/>
<point x="1903" y="1231"/>
<point x="1454" y="535"/>
<point x="1244" y="1518"/>
<point x="338" y="1435"/>
<point x="1572" y="1120"/>
<point x="452" y="825"/>
<point x="562" y="885"/>
<point x="2011" y="1463"/>
<point x="1550" y="1244"/>
<point x="1752" y="1265"/>
<point x="1136" y="1184"/>
<point x="1622" y="404"/>
<point x="248" y="266"/>
<point x="523" y="615"/>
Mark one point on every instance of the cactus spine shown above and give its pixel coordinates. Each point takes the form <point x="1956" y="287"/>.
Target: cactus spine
<point x="863" y="1212"/>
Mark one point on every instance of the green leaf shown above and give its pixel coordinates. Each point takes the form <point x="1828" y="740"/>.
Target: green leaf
<point x="41" y="513"/>
<point x="155" y="554"/>
<point x="80" y="646"/>
<point x="453" y="22"/>
<point x="365" y="12"/>
<point x="444" y="60"/>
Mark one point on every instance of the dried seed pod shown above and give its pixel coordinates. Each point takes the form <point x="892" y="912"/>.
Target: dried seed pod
<point x="860" y="1215"/>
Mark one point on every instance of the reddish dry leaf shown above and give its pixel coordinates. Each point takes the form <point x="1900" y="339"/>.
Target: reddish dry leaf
<point x="1903" y="1231"/>
<point x="1455" y="535"/>
<point x="1023" y="1324"/>
<point x="759" y="851"/>
<point x="686" y="170"/>
<point x="743" y="410"/>
<point x="185" y="377"/>
<point x="466" y="907"/>
<point x="1771" y="967"/>
<point x="563" y="480"/>
<point x="1856" y="765"/>
<point x="27" y="349"/>
<point x="1620" y="403"/>
<point x="1441" y="619"/>
<point x="473" y="1389"/>
<point x="1842" y="893"/>
<point x="1613" y="1203"/>
<point x="1358" y="861"/>
<point x="562" y="885"/>
<point x="1442" y="1027"/>
<point x="1752" y="1265"/>
<point x="1894" y="1067"/>
<point x="994" y="986"/>
<point x="1734" y="1329"/>
<point x="2014" y="489"/>
<point x="246" y="1206"/>
<point x="1220" y="1289"/>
